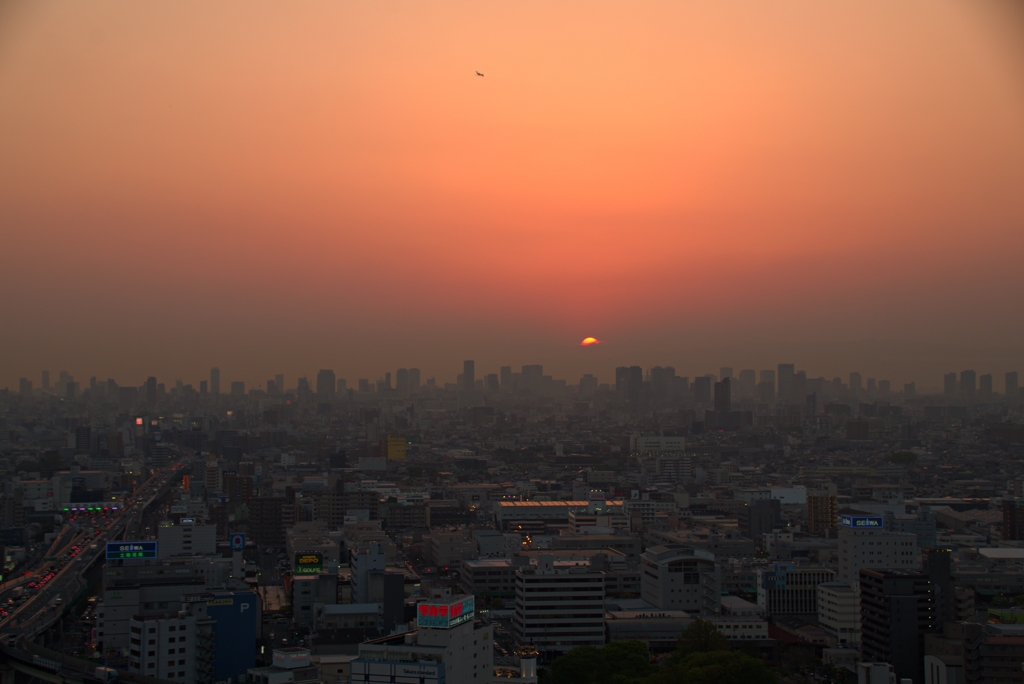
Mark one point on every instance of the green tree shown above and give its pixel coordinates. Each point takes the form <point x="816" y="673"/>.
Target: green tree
<point x="617" y="662"/>
<point x="702" y="636"/>
<point x="413" y="471"/>
<point x="715" y="667"/>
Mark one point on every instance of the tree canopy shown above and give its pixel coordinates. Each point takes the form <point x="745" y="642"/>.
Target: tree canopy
<point x="702" y="657"/>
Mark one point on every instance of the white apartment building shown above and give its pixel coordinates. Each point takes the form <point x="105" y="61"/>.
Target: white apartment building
<point x="839" y="612"/>
<point x="448" y="647"/>
<point x="559" y="606"/>
<point x="175" y="647"/>
<point x="677" y="577"/>
<point x="865" y="543"/>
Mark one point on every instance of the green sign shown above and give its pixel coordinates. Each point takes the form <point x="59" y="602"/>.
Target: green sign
<point x="309" y="563"/>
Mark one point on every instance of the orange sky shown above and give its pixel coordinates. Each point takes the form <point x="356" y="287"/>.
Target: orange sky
<point x="288" y="186"/>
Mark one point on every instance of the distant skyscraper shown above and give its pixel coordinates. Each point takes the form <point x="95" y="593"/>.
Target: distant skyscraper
<point x="402" y="381"/>
<point x="786" y="373"/>
<point x="949" y="385"/>
<point x="723" y="396"/>
<point x="215" y="381"/>
<point x="279" y="381"/>
<point x="968" y="385"/>
<point x="1012" y="390"/>
<point x="799" y="392"/>
<point x="387" y="382"/>
<point x="364" y="385"/>
<point x="856" y="384"/>
<point x="702" y="389"/>
<point x="342" y="384"/>
<point x="506" y="378"/>
<point x="985" y="388"/>
<point x="766" y="388"/>
<point x="150" y="391"/>
<point x="910" y="390"/>
<point x="872" y="386"/>
<point x="725" y="372"/>
<point x="25" y="387"/>
<point x="414" y="379"/>
<point x="468" y="376"/>
<point x="661" y="382"/>
<point x="46" y="381"/>
<point x="491" y="384"/>
<point x="629" y="381"/>
<point x="325" y="384"/>
<point x="884" y="387"/>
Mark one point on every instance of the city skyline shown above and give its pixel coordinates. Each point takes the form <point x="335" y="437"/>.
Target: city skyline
<point x="982" y="386"/>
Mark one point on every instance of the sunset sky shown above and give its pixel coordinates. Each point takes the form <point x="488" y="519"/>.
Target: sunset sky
<point x="282" y="187"/>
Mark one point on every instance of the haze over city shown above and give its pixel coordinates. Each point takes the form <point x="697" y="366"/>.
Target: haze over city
<point x="271" y="188"/>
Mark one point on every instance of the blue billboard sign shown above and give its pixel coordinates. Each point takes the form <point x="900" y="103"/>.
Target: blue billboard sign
<point x="862" y="521"/>
<point x="238" y="542"/>
<point x="236" y="615"/>
<point x="131" y="550"/>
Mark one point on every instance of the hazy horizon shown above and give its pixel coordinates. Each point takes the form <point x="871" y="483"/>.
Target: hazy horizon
<point x="282" y="188"/>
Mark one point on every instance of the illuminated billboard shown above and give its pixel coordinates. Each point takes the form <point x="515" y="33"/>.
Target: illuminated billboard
<point x="131" y="550"/>
<point x="445" y="615"/>
<point x="862" y="521"/>
<point x="309" y="563"/>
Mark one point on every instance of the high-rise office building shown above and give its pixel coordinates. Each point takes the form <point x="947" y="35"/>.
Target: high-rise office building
<point x="629" y="382"/>
<point x="702" y="389"/>
<point x="203" y="387"/>
<point x="759" y="517"/>
<point x="325" y="384"/>
<point x="723" y="396"/>
<point x="985" y="388"/>
<point x="25" y="387"/>
<point x="491" y="384"/>
<point x="150" y="391"/>
<point x="897" y="609"/>
<point x="215" y="381"/>
<point x="822" y="512"/>
<point x="506" y="378"/>
<point x="725" y="372"/>
<point x="968" y="386"/>
<point x="786" y="373"/>
<point x="414" y="379"/>
<point x="856" y="384"/>
<point x="468" y="376"/>
<point x="662" y="379"/>
<point x="402" y="381"/>
<point x="910" y="390"/>
<point x="766" y="388"/>
<point x="279" y="381"/>
<point x="1012" y="390"/>
<point x="559" y="606"/>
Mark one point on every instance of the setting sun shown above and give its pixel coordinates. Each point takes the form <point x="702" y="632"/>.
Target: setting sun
<point x="587" y="341"/>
